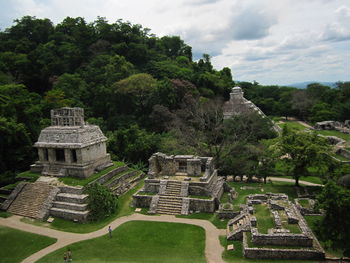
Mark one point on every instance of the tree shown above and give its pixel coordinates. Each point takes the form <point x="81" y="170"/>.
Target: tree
<point x="335" y="201"/>
<point x="300" y="151"/>
<point x="101" y="202"/>
<point x="267" y="161"/>
<point x="138" y="88"/>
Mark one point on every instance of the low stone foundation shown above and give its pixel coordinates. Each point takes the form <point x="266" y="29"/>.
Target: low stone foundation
<point x="282" y="239"/>
<point x="280" y="253"/>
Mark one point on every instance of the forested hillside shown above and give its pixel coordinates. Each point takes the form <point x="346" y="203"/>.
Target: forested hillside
<point x="144" y="91"/>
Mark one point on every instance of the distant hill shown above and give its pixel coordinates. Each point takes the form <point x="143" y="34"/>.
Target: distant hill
<point x="303" y="85"/>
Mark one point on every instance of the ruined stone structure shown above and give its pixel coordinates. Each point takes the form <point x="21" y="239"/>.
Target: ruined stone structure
<point x="334" y="125"/>
<point x="180" y="184"/>
<point x="280" y="242"/>
<point x="238" y="105"/>
<point x="69" y="147"/>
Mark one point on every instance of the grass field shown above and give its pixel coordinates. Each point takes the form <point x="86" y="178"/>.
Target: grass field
<point x="292" y="125"/>
<point x="5" y="214"/>
<point x="123" y="209"/>
<point x="344" y="136"/>
<point x="310" y="179"/>
<point x="140" y="241"/>
<point x="259" y="188"/>
<point x="263" y="218"/>
<point x="17" y="245"/>
<point x="74" y="181"/>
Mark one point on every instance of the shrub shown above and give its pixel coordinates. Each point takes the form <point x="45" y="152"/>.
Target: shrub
<point x="101" y="202"/>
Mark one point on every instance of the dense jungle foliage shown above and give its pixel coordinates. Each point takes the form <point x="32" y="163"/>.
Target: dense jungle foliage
<point x="145" y="92"/>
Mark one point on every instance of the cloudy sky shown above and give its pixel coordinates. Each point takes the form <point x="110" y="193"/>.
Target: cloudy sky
<point x="270" y="41"/>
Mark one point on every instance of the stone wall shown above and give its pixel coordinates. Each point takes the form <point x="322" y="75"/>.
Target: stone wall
<point x="273" y="253"/>
<point x="109" y="175"/>
<point x="345" y="153"/>
<point x="282" y="239"/>
<point x="203" y="205"/>
<point x="152" y="185"/>
<point x="141" y="200"/>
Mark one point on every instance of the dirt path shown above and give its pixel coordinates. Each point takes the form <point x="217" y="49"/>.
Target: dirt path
<point x="213" y="249"/>
<point x="279" y="179"/>
<point x="305" y="124"/>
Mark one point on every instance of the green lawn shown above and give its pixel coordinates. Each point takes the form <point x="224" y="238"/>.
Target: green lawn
<point x="140" y="241"/>
<point x="344" y="136"/>
<point x="310" y="179"/>
<point x="28" y="175"/>
<point x="5" y="214"/>
<point x="16" y="245"/>
<point x="292" y="125"/>
<point x="260" y="188"/>
<point x="264" y="218"/>
<point x="340" y="157"/>
<point x="73" y="181"/>
<point x="123" y="209"/>
<point x="236" y="256"/>
<point x="304" y="203"/>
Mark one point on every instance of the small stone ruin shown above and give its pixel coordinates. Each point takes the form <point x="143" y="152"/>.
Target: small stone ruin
<point x="334" y="125"/>
<point x="70" y="147"/>
<point x="180" y="184"/>
<point x="290" y="237"/>
<point x="238" y="105"/>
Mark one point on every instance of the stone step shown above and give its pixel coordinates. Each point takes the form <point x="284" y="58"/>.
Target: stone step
<point x="170" y="204"/>
<point x="104" y="178"/>
<point x="115" y="180"/>
<point x="71" y="190"/>
<point x="70" y="206"/>
<point x="169" y="201"/>
<point x="169" y="211"/>
<point x="71" y="198"/>
<point x="69" y="214"/>
<point x="34" y="200"/>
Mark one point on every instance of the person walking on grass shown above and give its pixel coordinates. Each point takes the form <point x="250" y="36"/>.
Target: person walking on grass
<point x="110" y="231"/>
<point x="69" y="255"/>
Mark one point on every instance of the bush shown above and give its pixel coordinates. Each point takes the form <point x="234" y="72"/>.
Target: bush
<point x="101" y="202"/>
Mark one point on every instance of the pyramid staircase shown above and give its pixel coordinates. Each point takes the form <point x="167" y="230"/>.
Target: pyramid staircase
<point x="120" y="180"/>
<point x="70" y="204"/>
<point x="237" y="226"/>
<point x="34" y="200"/>
<point x="170" y="202"/>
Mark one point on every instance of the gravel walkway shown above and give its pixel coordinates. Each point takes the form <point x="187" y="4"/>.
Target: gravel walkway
<point x="213" y="249"/>
<point x="279" y="179"/>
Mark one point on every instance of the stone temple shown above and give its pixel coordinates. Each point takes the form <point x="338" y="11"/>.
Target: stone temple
<point x="238" y="105"/>
<point x="70" y="147"/>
